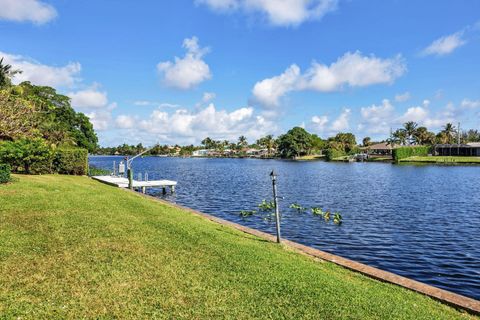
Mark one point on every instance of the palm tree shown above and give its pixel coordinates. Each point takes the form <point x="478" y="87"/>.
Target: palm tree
<point x="471" y="136"/>
<point x="242" y="142"/>
<point x="441" y="138"/>
<point x="207" y="142"/>
<point x="6" y="73"/>
<point x="423" y="136"/>
<point x="449" y="130"/>
<point x="366" y="141"/>
<point x="410" y="128"/>
<point x="398" y="137"/>
<point x="270" y="144"/>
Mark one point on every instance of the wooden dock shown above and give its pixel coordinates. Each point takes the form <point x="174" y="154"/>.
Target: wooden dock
<point x="122" y="182"/>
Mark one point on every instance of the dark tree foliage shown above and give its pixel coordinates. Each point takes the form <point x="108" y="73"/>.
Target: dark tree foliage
<point x="296" y="142"/>
<point x="59" y="123"/>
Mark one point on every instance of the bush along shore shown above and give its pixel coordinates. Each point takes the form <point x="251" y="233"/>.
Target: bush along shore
<point x="71" y="247"/>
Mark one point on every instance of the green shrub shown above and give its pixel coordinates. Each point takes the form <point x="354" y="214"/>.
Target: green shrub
<point x="332" y="153"/>
<point x="71" y="161"/>
<point x="94" y="171"/>
<point x="405" y="152"/>
<point x="354" y="150"/>
<point x="4" y="173"/>
<point x="32" y="156"/>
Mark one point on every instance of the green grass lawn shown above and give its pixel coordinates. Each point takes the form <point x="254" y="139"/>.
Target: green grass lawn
<point x="310" y="157"/>
<point x="442" y="159"/>
<point x="71" y="247"/>
<point x="342" y="158"/>
<point x="380" y="159"/>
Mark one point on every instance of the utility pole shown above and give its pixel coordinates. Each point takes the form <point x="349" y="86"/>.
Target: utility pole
<point x="275" y="200"/>
<point x="458" y="139"/>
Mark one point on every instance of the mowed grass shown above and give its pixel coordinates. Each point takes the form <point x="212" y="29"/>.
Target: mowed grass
<point x="71" y="247"/>
<point x="442" y="159"/>
<point x="310" y="157"/>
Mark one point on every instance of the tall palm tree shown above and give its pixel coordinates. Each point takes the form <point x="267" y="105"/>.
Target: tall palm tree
<point x="207" y="142"/>
<point x="398" y="137"/>
<point x="449" y="130"/>
<point x="410" y="128"/>
<point x="242" y="142"/>
<point x="423" y="136"/>
<point x="270" y="143"/>
<point x="6" y="73"/>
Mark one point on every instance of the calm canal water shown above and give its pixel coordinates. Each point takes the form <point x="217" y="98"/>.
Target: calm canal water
<point x="422" y="222"/>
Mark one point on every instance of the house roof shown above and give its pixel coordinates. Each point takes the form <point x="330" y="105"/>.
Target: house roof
<point x="381" y="146"/>
<point x="474" y="144"/>
<point x="468" y="145"/>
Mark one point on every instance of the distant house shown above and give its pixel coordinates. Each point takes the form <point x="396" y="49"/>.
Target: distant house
<point x="200" y="153"/>
<point x="257" y="152"/>
<point x="380" y="149"/>
<point x="471" y="149"/>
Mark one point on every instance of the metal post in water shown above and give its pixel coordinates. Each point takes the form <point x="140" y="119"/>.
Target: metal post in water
<point x="275" y="201"/>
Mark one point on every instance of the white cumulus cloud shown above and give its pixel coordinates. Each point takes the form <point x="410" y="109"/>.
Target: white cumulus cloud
<point x="319" y="123"/>
<point x="124" y="121"/>
<point x="342" y="122"/>
<point x="445" y="45"/>
<point x="42" y="74"/>
<point x="100" y="119"/>
<point x="189" y="71"/>
<point x="377" y="118"/>
<point x="89" y="98"/>
<point x="186" y="126"/>
<point x="208" y="96"/>
<point x="470" y="104"/>
<point x="26" y="10"/>
<point x="352" y="69"/>
<point x="323" y="126"/>
<point x="277" y="12"/>
<point x="402" y="97"/>
<point x="269" y="91"/>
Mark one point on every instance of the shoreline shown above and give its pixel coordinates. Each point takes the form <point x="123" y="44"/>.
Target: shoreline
<point x="90" y="244"/>
<point x="443" y="161"/>
<point x="447" y="297"/>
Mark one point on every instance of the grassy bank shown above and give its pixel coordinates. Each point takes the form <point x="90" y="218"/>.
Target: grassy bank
<point x="71" y="247"/>
<point x="442" y="159"/>
<point x="310" y="157"/>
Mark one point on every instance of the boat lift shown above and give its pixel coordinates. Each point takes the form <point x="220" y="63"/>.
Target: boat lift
<point x="128" y="182"/>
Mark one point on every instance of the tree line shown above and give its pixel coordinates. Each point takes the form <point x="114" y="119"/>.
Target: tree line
<point x="39" y="112"/>
<point x="38" y="125"/>
<point x="413" y="134"/>
<point x="298" y="142"/>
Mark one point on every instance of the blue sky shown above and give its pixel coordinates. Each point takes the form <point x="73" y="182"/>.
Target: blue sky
<point x="178" y="71"/>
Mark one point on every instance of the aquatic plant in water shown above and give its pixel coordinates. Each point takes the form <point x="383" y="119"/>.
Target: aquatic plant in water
<point x="326" y="216"/>
<point x="266" y="206"/>
<point x="247" y="213"/>
<point x="297" y="207"/>
<point x="337" y="218"/>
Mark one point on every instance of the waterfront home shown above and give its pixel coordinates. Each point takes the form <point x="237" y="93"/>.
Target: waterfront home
<point x="380" y="149"/>
<point x="257" y="152"/>
<point x="471" y="149"/>
<point x="201" y="153"/>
